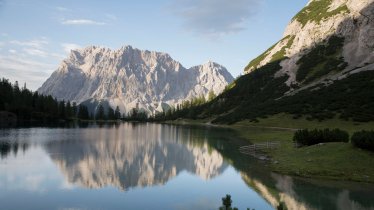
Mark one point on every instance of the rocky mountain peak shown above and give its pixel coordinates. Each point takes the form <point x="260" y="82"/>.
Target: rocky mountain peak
<point x="211" y="64"/>
<point x="312" y="28"/>
<point x="132" y="78"/>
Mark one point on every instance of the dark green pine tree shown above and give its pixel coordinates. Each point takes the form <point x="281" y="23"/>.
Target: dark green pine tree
<point x="61" y="110"/>
<point x="74" y="109"/>
<point x="226" y="201"/>
<point x="28" y="105"/>
<point x="68" y="110"/>
<point x="83" y="112"/>
<point x="111" y="115"/>
<point x="100" y="113"/>
<point x="117" y="114"/>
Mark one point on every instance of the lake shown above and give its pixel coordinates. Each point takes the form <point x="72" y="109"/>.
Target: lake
<point x="151" y="166"/>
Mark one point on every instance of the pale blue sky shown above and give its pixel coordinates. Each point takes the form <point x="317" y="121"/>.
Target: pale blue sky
<point x="36" y="35"/>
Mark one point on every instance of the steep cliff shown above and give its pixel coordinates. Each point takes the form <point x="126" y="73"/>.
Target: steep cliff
<point x="132" y="78"/>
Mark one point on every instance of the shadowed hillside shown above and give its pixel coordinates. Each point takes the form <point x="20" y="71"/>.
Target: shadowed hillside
<point x="326" y="83"/>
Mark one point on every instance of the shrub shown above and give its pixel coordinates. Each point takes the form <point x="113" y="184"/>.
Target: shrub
<point x="363" y="139"/>
<point x="307" y="137"/>
<point x="321" y="60"/>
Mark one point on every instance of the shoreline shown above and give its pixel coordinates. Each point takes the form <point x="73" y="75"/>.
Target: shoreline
<point x="324" y="162"/>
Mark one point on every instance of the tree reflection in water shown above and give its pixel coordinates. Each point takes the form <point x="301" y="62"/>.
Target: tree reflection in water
<point x="132" y="155"/>
<point x="6" y="148"/>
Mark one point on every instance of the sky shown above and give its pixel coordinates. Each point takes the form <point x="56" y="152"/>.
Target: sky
<point x="36" y="35"/>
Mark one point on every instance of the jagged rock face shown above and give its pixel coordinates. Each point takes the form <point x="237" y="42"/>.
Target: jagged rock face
<point x="320" y="19"/>
<point x="132" y="78"/>
<point x="128" y="157"/>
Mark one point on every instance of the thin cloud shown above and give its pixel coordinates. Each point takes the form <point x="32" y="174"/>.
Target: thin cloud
<point x="81" y="22"/>
<point x="25" y="69"/>
<point x="29" y="61"/>
<point x="215" y="17"/>
<point x="57" y="56"/>
<point x="34" y="47"/>
<point x="70" y="46"/>
<point x="15" y="63"/>
<point x="38" y="43"/>
<point x="35" y="52"/>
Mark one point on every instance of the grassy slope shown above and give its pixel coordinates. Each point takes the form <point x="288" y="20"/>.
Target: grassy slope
<point x="317" y="11"/>
<point x="333" y="160"/>
<point x="277" y="56"/>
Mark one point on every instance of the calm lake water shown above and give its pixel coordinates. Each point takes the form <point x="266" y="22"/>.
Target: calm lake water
<point x="151" y="166"/>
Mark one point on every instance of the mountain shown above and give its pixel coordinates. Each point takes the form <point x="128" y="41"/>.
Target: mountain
<point x="344" y="27"/>
<point x="321" y="68"/>
<point x="132" y="78"/>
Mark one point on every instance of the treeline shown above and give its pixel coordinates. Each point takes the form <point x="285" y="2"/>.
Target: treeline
<point x="258" y="95"/>
<point x="235" y="102"/>
<point x="362" y="139"/>
<point x="28" y="105"/>
<point x="137" y="115"/>
<point x="109" y="114"/>
<point x="187" y="108"/>
<point x="105" y="112"/>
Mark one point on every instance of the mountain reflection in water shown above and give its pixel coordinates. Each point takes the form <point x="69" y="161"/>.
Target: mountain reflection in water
<point x="132" y="156"/>
<point x="168" y="166"/>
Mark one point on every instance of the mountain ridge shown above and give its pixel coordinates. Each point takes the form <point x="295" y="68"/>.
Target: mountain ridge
<point x="132" y="78"/>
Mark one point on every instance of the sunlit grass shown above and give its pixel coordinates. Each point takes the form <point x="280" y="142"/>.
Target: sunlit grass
<point x="331" y="160"/>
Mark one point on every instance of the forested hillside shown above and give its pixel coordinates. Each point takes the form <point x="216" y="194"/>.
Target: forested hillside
<point x="28" y="105"/>
<point x="322" y="68"/>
